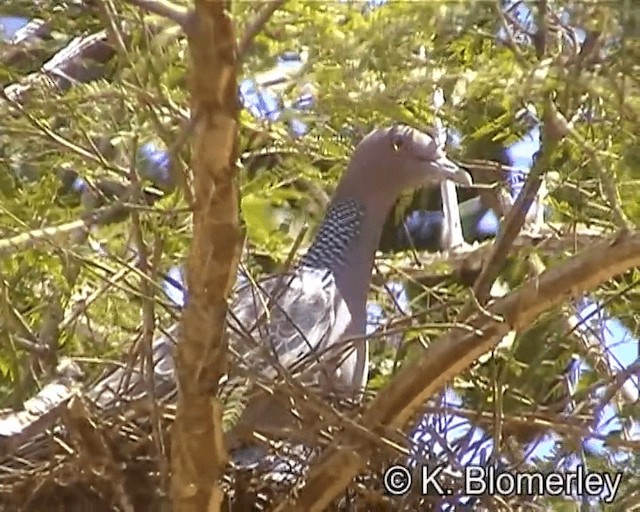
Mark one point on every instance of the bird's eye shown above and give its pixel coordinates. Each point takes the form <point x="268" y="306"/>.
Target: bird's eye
<point x="397" y="142"/>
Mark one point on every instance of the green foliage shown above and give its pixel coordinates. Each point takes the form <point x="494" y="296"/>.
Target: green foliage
<point x="367" y="69"/>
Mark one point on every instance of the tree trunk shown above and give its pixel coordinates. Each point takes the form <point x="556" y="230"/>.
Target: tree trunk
<point x="198" y="453"/>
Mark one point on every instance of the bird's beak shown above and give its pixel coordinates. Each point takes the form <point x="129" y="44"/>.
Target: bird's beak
<point x="446" y="169"/>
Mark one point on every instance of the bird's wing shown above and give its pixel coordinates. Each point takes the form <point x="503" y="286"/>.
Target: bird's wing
<point x="286" y="322"/>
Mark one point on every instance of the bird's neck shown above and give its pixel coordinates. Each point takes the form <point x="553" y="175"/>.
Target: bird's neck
<point x="341" y="226"/>
<point x="345" y="245"/>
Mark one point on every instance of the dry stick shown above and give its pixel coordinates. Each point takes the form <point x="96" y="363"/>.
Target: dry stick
<point x="52" y="234"/>
<point x="510" y="229"/>
<point x="41" y="411"/>
<point x="457" y="350"/>
<point x="569" y="425"/>
<point x="75" y="231"/>
<point x="516" y="217"/>
<point x="149" y="321"/>
<point x="550" y="240"/>
<point x="94" y="452"/>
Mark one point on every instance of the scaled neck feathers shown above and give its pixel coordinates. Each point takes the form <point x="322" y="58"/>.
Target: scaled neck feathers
<point x="340" y="228"/>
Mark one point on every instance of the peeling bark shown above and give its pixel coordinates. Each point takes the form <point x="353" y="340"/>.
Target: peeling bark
<point x="198" y="453"/>
<point x="400" y="401"/>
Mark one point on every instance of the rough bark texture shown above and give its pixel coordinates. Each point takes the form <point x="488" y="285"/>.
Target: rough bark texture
<point x="198" y="453"/>
<point x="402" y="399"/>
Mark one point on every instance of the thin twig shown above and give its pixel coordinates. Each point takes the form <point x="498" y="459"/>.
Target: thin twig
<point x="148" y="324"/>
<point x="399" y="401"/>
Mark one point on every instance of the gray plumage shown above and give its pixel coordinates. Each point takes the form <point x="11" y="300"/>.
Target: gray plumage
<point x="297" y="325"/>
<point x="309" y="324"/>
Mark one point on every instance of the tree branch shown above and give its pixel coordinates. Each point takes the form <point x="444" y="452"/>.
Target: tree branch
<point x="404" y="396"/>
<point x="175" y="13"/>
<point x="516" y="217"/>
<point x="198" y="453"/>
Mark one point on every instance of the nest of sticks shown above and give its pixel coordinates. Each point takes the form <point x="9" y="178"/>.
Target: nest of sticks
<point x="106" y="447"/>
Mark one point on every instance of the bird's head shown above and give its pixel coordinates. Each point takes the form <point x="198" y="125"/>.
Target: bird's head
<point x="399" y="158"/>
